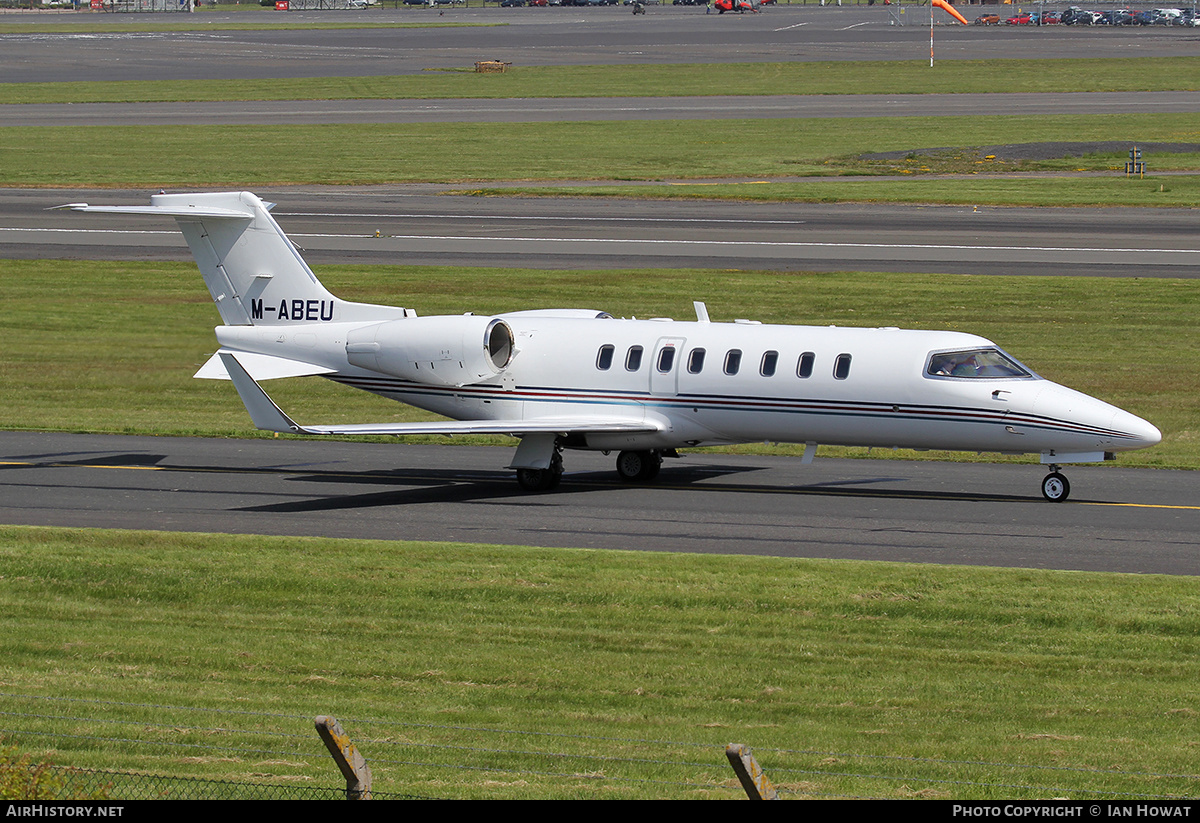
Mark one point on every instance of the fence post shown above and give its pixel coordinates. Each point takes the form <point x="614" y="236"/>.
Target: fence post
<point x="751" y="775"/>
<point x="352" y="764"/>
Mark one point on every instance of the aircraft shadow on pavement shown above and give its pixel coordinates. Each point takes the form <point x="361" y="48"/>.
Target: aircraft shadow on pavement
<point x="441" y="486"/>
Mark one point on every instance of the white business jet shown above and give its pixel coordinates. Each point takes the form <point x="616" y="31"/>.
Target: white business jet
<point x="582" y="379"/>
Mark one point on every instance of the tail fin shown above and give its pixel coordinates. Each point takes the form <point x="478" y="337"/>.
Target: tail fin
<point x="254" y="273"/>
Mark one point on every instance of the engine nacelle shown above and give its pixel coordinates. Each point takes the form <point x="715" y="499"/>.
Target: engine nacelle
<point x="456" y="350"/>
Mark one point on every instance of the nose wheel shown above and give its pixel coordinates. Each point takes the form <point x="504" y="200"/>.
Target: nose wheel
<point x="1055" y="487"/>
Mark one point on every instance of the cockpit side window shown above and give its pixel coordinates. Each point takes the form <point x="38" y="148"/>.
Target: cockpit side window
<point x="975" y="363"/>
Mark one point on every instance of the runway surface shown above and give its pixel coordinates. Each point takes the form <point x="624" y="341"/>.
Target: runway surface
<point x="1120" y="520"/>
<point x="417" y="226"/>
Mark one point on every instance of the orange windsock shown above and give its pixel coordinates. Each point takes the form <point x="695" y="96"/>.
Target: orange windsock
<point x="949" y="9"/>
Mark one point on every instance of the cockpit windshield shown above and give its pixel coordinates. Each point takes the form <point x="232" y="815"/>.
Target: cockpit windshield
<point x="975" y="363"/>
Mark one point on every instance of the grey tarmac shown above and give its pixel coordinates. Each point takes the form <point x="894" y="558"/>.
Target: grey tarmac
<point x="1118" y="520"/>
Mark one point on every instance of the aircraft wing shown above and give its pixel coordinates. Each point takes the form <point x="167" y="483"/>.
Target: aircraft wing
<point x="269" y="417"/>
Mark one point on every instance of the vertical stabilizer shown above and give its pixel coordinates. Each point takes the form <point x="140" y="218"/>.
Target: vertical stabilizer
<point x="254" y="273"/>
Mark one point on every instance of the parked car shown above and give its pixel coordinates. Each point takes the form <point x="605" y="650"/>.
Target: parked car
<point x="1023" y="19"/>
<point x="987" y="20"/>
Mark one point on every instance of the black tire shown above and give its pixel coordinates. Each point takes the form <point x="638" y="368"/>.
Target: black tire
<point x="1055" y="488"/>
<point x="541" y="480"/>
<point x="638" y="466"/>
<point x="629" y="465"/>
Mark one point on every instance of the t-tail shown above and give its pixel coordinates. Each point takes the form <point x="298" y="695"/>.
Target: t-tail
<point x="254" y="273"/>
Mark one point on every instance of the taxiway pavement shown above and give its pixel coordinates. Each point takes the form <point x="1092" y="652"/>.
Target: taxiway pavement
<point x="1118" y="520"/>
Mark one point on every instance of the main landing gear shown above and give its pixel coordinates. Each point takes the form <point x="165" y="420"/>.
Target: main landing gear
<point x="1055" y="487"/>
<point x="640" y="466"/>
<point x="542" y="480"/>
<point x="632" y="467"/>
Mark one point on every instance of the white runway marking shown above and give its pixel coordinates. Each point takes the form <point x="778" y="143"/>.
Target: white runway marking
<point x="668" y="242"/>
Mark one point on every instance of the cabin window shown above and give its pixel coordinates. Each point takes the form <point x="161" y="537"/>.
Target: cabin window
<point x="975" y="363"/>
<point x="804" y="366"/>
<point x="769" y="361"/>
<point x="696" y="361"/>
<point x="604" y="358"/>
<point x="666" y="359"/>
<point x="841" y="367"/>
<point x="633" y="360"/>
<point x="733" y="361"/>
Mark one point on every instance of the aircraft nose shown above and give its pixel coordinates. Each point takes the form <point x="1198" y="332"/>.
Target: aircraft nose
<point x="1142" y="434"/>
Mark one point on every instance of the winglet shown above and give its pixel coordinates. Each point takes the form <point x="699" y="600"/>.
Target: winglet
<point x="263" y="411"/>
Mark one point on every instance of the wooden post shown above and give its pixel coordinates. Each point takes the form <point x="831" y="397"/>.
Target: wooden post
<point x="751" y="775"/>
<point x="352" y="764"/>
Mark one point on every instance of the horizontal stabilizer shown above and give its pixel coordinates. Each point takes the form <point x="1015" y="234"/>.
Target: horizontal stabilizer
<point x="260" y="367"/>
<point x="161" y="211"/>
<point x="269" y="417"/>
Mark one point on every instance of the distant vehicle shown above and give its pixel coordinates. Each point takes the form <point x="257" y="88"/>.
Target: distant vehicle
<point x="740" y="6"/>
<point x="987" y="20"/>
<point x="1167" y="17"/>
<point x="508" y="4"/>
<point x="1019" y="20"/>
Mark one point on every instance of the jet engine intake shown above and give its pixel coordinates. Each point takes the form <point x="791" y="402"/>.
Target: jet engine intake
<point x="451" y="350"/>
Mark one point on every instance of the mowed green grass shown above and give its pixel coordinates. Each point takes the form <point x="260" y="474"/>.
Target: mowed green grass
<point x="678" y="80"/>
<point x="204" y="156"/>
<point x="617" y="674"/>
<point x="111" y="346"/>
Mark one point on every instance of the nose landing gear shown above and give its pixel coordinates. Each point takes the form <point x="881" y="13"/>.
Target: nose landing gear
<point x="1055" y="487"/>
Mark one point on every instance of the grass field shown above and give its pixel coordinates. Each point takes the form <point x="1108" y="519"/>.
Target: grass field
<point x="681" y="80"/>
<point x="478" y="671"/>
<point x="215" y="156"/>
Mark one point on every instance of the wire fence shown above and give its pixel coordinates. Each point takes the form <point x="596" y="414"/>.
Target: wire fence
<point x="133" y="751"/>
<point x="118" y="785"/>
